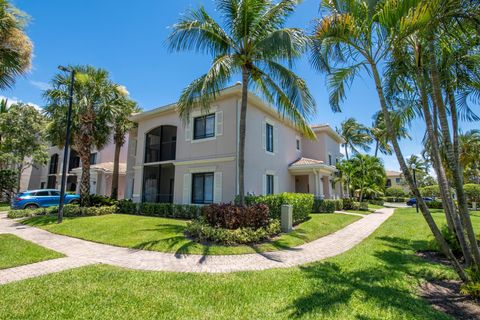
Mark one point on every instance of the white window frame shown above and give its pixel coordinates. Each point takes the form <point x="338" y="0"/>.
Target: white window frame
<point x="274" y="138"/>
<point x="218" y="125"/>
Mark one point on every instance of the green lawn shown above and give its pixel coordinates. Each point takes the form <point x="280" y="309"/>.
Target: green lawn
<point x="4" y="207"/>
<point x="372" y="208"/>
<point x="15" y="252"/>
<point x="378" y="279"/>
<point x="167" y="235"/>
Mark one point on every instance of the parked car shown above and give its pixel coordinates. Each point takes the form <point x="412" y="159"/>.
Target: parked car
<point x="413" y="201"/>
<point x="42" y="198"/>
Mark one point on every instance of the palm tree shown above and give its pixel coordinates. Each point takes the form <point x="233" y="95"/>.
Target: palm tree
<point x="93" y="97"/>
<point x="252" y="42"/>
<point x="353" y="35"/>
<point x="356" y="136"/>
<point x="368" y="175"/>
<point x="121" y="125"/>
<point x="380" y="135"/>
<point x="469" y="155"/>
<point x="344" y="177"/>
<point x="15" y="47"/>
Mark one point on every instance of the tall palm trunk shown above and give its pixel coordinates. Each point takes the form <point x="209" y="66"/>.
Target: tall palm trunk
<point x="242" y="135"/>
<point x="453" y="219"/>
<point x="116" y="165"/>
<point x="84" y="155"/>
<point x="423" y="207"/>
<point x="376" y="148"/>
<point x="453" y="164"/>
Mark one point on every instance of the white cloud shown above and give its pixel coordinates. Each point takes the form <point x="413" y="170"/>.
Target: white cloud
<point x="40" y="85"/>
<point x="15" y="100"/>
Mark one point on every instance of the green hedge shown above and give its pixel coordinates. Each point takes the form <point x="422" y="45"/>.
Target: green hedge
<point x="350" y="204"/>
<point x="166" y="210"/>
<point x="201" y="231"/>
<point x="377" y="202"/>
<point x="70" y="210"/>
<point x="302" y="204"/>
<point x="396" y="192"/>
<point x="394" y="199"/>
<point x="434" y="204"/>
<point x="327" y="205"/>
<point x="363" y="206"/>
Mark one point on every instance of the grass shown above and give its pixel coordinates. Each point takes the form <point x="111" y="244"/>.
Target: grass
<point x="4" y="207"/>
<point x="371" y="208"/>
<point x="378" y="279"/>
<point x="16" y="252"/>
<point x="167" y="235"/>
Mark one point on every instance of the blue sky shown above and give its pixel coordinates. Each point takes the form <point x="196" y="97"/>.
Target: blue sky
<point x="128" y="39"/>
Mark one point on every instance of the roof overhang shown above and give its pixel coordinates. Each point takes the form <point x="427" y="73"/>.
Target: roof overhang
<point x="328" y="130"/>
<point x="312" y="168"/>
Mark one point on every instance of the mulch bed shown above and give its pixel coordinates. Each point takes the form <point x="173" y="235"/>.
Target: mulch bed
<point x="445" y="296"/>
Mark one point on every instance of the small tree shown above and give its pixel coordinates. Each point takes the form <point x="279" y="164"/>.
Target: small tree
<point x="8" y="182"/>
<point x="22" y="145"/>
<point x="396" y="192"/>
<point x="473" y="193"/>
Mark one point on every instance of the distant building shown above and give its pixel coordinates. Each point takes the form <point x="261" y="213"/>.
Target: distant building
<point x="396" y="179"/>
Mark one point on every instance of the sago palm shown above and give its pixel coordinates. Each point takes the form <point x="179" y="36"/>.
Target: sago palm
<point x="91" y="115"/>
<point x="251" y="42"/>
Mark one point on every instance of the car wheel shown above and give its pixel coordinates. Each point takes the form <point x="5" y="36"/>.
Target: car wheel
<point x="31" y="206"/>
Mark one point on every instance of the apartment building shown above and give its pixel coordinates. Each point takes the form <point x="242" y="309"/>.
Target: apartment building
<point x="195" y="161"/>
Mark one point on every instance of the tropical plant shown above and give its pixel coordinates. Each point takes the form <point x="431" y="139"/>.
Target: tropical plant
<point x="344" y="176"/>
<point x="368" y="176"/>
<point x="22" y="130"/>
<point x="252" y="42"/>
<point x="121" y="124"/>
<point x="93" y="97"/>
<point x="469" y="155"/>
<point x="357" y="34"/>
<point x="379" y="132"/>
<point x="356" y="136"/>
<point x="15" y="47"/>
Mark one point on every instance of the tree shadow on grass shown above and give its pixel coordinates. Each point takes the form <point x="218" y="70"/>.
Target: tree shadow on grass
<point x="384" y="285"/>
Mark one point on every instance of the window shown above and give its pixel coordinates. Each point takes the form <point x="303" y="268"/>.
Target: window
<point x="204" y="127"/>
<point x="93" y="158"/>
<point x="53" y="164"/>
<point x="298" y="144"/>
<point x="270" y="184"/>
<point x="330" y="160"/>
<point x="269" y="137"/>
<point x="55" y="193"/>
<point x="398" y="180"/>
<point x="202" y="188"/>
<point x="42" y="194"/>
<point x="160" y="144"/>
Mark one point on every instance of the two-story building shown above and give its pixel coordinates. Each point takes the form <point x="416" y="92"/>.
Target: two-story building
<point x="101" y="171"/>
<point x="195" y="161"/>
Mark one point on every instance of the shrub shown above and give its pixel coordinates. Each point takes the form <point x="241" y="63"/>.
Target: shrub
<point x="472" y="192"/>
<point x="472" y="288"/>
<point x="200" y="230"/>
<point x="396" y="192"/>
<point x="26" y="213"/>
<point x="324" y="206"/>
<point x="377" y="202"/>
<point x="302" y="204"/>
<point x="350" y="204"/>
<point x="430" y="191"/>
<point x="72" y="210"/>
<point x="127" y="207"/>
<point x="393" y="199"/>
<point x="229" y="216"/>
<point x="95" y="200"/>
<point x="363" y="206"/>
<point x="435" y="204"/>
<point x="338" y="204"/>
<point x="166" y="210"/>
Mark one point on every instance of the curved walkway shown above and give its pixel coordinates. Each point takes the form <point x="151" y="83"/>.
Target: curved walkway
<point x="80" y="252"/>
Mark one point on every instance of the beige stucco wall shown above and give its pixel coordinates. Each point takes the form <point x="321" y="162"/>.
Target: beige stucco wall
<point x="320" y="148"/>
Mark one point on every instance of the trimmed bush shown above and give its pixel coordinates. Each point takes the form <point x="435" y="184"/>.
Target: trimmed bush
<point x="434" y="204"/>
<point x="200" y="230"/>
<point x="95" y="200"/>
<point x="472" y="191"/>
<point x="350" y="204"/>
<point x="165" y="210"/>
<point x="127" y="207"/>
<point x="338" y="204"/>
<point x="72" y="210"/>
<point x="377" y="202"/>
<point x="396" y="192"/>
<point x="324" y="206"/>
<point x="229" y="216"/>
<point x="363" y="206"/>
<point x="393" y="199"/>
<point x="302" y="204"/>
<point x="26" y="213"/>
<point x="430" y="191"/>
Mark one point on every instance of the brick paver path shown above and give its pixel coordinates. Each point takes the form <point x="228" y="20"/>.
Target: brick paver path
<point x="80" y="252"/>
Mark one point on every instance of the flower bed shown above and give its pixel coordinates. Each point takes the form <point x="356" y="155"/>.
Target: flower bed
<point x="230" y="224"/>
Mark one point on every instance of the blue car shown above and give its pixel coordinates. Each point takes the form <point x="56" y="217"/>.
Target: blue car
<point x="42" y="198"/>
<point x="413" y="201"/>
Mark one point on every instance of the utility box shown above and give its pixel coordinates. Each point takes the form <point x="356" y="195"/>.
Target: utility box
<point x="287" y="218"/>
